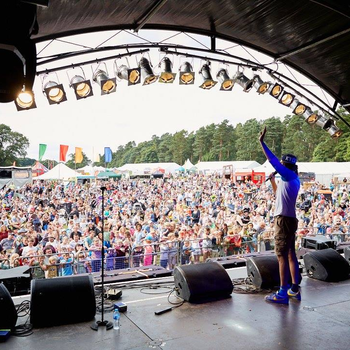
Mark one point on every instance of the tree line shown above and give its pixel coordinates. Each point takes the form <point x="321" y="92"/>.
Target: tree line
<point x="224" y="142"/>
<point x="214" y="142"/>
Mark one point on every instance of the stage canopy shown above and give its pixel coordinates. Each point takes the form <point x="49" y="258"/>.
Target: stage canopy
<point x="309" y="36"/>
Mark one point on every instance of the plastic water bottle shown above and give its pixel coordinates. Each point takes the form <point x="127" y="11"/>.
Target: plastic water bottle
<point x="116" y="319"/>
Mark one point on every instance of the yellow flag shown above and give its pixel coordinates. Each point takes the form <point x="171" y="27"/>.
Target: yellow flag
<point x="78" y="155"/>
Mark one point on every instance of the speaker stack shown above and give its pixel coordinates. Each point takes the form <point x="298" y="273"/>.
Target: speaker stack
<point x="202" y="282"/>
<point x="326" y="265"/>
<point x="62" y="300"/>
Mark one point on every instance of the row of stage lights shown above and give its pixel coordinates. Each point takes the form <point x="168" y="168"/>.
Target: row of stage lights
<point x="55" y="93"/>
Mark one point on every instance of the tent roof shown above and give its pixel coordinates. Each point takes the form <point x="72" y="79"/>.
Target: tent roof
<point x="188" y="164"/>
<point x="239" y="164"/>
<point x="60" y="171"/>
<point x="141" y="167"/>
<point x="319" y="168"/>
<point x="310" y="36"/>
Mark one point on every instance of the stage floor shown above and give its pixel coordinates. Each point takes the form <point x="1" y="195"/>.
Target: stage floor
<point x="320" y="321"/>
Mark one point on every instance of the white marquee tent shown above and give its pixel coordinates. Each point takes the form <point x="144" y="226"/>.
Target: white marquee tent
<point x="60" y="172"/>
<point x="324" y="171"/>
<point x="146" y="168"/>
<point x="212" y="167"/>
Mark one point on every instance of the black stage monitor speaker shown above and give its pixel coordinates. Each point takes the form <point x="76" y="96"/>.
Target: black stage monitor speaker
<point x="62" y="300"/>
<point x="347" y="254"/>
<point x="326" y="265"/>
<point x="8" y="313"/>
<point x="202" y="283"/>
<point x="264" y="271"/>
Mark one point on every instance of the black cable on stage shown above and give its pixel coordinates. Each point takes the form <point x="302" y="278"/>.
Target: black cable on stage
<point x="26" y="329"/>
<point x="245" y="286"/>
<point x="177" y="297"/>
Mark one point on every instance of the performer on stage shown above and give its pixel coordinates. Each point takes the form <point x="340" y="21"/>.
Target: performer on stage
<point x="286" y="223"/>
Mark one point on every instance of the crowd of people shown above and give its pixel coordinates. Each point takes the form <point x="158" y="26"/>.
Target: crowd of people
<point x="56" y="228"/>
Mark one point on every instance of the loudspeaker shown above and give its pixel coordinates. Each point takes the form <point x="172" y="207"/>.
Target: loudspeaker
<point x="318" y="242"/>
<point x="264" y="271"/>
<point x="8" y="313"/>
<point x="202" y="283"/>
<point x="228" y="262"/>
<point x="347" y="254"/>
<point x="326" y="265"/>
<point x="62" y="300"/>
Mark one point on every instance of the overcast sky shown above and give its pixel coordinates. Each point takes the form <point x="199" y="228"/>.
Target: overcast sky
<point x="132" y="113"/>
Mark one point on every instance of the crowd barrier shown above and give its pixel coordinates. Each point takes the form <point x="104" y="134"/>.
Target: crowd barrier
<point x="90" y="261"/>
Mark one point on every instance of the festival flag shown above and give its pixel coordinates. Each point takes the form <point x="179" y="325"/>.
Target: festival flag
<point x="63" y="152"/>
<point x="108" y="155"/>
<point x="97" y="158"/>
<point x="78" y="155"/>
<point x="42" y="150"/>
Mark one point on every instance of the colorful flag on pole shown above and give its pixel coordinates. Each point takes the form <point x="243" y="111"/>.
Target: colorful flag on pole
<point x="78" y="155"/>
<point x="97" y="158"/>
<point x="63" y="152"/>
<point x="42" y="150"/>
<point x="108" y="155"/>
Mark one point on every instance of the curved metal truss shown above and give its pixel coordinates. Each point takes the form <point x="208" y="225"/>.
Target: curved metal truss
<point x="201" y="52"/>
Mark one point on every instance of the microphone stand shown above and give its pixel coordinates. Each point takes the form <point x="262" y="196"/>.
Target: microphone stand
<point x="102" y="323"/>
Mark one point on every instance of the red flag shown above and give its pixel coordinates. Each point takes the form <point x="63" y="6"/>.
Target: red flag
<point x="63" y="152"/>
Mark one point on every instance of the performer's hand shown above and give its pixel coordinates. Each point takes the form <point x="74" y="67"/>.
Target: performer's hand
<point x="262" y="135"/>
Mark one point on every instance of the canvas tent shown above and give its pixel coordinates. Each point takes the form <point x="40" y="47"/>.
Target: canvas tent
<point x="324" y="171"/>
<point x="146" y="168"/>
<point x="59" y="172"/>
<point x="217" y="167"/>
<point x="188" y="165"/>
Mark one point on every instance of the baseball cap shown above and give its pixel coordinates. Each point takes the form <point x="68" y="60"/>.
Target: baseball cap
<point x="289" y="158"/>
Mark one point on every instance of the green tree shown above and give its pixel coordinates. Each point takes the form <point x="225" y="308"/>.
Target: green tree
<point x="13" y="145"/>
<point x="221" y="141"/>
<point x="178" y="147"/>
<point x="71" y="161"/>
<point x="247" y="141"/>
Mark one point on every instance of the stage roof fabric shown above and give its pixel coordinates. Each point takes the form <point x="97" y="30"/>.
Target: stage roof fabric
<point x="310" y="36"/>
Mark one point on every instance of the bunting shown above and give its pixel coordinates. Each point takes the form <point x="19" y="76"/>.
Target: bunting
<point x="78" y="155"/>
<point x="63" y="152"/>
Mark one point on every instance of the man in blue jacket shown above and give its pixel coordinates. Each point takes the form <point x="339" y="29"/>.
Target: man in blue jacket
<point x="286" y="223"/>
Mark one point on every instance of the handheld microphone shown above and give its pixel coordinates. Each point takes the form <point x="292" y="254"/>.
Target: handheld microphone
<point x="271" y="176"/>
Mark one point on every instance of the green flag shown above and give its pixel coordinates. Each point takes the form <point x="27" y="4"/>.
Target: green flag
<point x="42" y="149"/>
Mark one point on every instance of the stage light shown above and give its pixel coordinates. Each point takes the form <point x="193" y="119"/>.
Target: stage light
<point x="82" y="87"/>
<point x="147" y="72"/>
<point x="310" y="116"/>
<point x="132" y="75"/>
<point x="167" y="76"/>
<point x="298" y="107"/>
<point x="334" y="131"/>
<point x="244" y="81"/>
<point x="324" y="122"/>
<point x="107" y="84"/>
<point x="25" y="100"/>
<point x="224" y="79"/>
<point x="187" y="75"/>
<point x="54" y="92"/>
<point x="275" y="90"/>
<point x="260" y="85"/>
<point x="208" y="81"/>
<point x="286" y="99"/>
